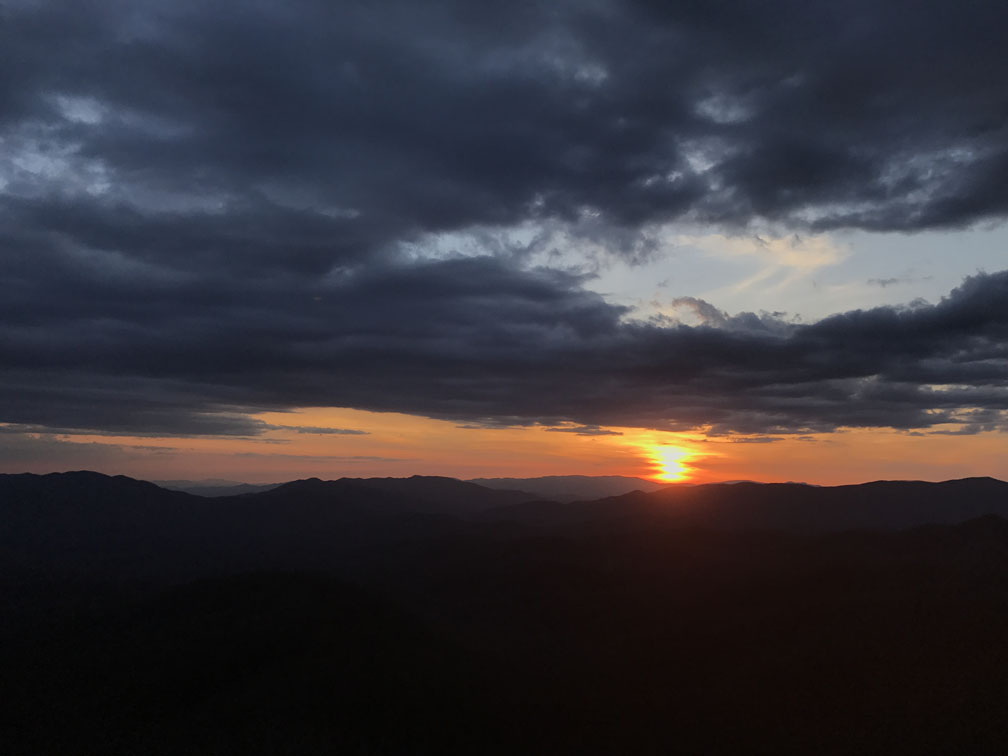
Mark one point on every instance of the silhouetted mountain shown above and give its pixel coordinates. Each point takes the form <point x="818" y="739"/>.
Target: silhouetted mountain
<point x="82" y="523"/>
<point x="88" y="524"/>
<point x="785" y="506"/>
<point x="85" y="523"/>
<point x="572" y="487"/>
<point x="442" y="617"/>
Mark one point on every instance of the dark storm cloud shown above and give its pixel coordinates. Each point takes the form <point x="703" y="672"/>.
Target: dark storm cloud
<point x="308" y="134"/>
<point x="203" y="207"/>
<point x="477" y="340"/>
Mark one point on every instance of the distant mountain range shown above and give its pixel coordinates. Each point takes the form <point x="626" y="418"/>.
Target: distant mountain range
<point x="573" y="487"/>
<point x="93" y="522"/>
<point x="214" y="487"/>
<point x="553" y="487"/>
<point x="433" y="615"/>
<point x="86" y="522"/>
<point x="795" y="507"/>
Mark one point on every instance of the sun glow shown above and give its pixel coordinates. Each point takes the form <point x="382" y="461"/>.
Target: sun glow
<point x="671" y="463"/>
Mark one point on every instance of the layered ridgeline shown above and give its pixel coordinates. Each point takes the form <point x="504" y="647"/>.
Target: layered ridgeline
<point x="793" y="507"/>
<point x="573" y="487"/>
<point x="85" y="521"/>
<point x="431" y="615"/>
<point x="552" y="487"/>
<point x="88" y="523"/>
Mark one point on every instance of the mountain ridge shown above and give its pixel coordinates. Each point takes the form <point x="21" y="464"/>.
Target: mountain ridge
<point x="155" y="620"/>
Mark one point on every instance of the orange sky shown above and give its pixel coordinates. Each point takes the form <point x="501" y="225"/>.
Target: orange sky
<point x="402" y="445"/>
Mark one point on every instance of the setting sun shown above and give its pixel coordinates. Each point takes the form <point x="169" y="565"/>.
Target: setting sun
<point x="671" y="463"/>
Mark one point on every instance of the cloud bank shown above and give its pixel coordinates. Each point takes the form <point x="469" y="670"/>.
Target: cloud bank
<point x="480" y="341"/>
<point x="204" y="206"/>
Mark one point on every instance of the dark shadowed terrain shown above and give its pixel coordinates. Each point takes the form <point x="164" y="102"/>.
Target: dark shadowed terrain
<point x="429" y="615"/>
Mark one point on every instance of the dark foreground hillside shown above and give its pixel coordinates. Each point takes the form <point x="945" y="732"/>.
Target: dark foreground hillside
<point x="426" y="633"/>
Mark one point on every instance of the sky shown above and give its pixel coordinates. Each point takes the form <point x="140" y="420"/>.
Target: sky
<point x="684" y="240"/>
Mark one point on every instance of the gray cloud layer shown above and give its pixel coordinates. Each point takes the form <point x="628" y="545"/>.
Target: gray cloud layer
<point x="201" y="206"/>
<point x="303" y="133"/>
<point x="476" y="339"/>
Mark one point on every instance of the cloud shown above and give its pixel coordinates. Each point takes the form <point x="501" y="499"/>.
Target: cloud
<point x="302" y="135"/>
<point x="478" y="340"/>
<point x="315" y="430"/>
<point x="586" y="430"/>
<point x="329" y="458"/>
<point x="796" y="252"/>
<point x="19" y="450"/>
<point x="895" y="280"/>
<point x="210" y="210"/>
<point x="683" y="310"/>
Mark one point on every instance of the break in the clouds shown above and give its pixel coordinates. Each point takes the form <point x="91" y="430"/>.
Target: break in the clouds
<point x="212" y="209"/>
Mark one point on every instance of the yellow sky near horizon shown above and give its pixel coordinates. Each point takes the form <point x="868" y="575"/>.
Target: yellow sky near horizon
<point x="397" y="445"/>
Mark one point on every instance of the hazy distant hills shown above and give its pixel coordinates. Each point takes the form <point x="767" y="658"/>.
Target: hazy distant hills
<point x="212" y="488"/>
<point x="885" y="505"/>
<point x="573" y="487"/>
<point x="553" y="487"/>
